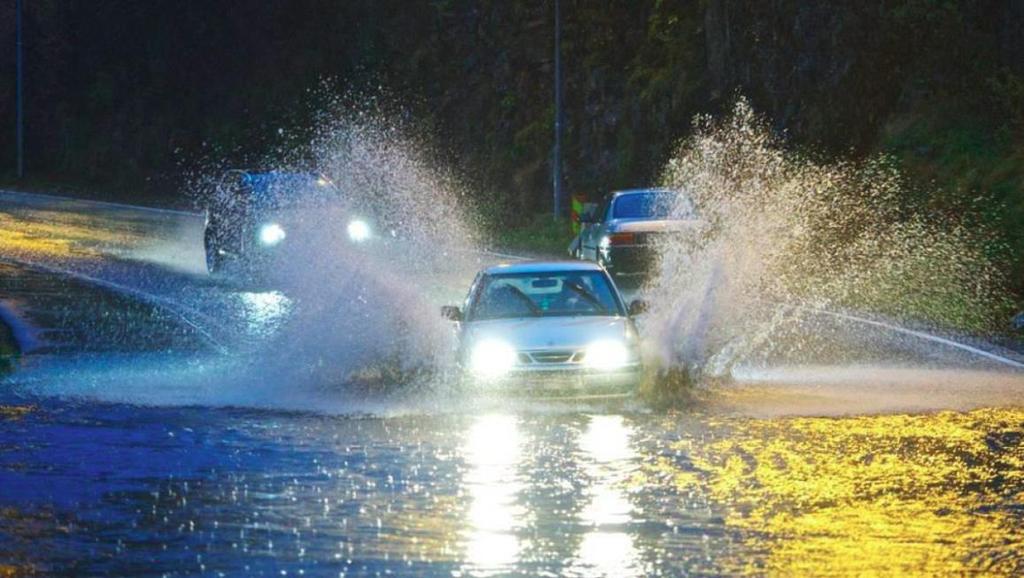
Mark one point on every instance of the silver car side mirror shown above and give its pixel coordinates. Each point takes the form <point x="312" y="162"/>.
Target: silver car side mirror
<point x="637" y="307"/>
<point x="451" y="313"/>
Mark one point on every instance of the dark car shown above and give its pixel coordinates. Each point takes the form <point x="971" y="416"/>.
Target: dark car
<point x="253" y="215"/>
<point x="622" y="233"/>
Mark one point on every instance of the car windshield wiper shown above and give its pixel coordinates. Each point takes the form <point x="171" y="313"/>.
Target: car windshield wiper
<point x="534" y="310"/>
<point x="587" y="296"/>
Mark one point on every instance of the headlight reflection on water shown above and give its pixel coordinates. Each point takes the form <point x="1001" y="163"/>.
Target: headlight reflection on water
<point x="500" y="500"/>
<point x="493" y="448"/>
<point x="607" y="549"/>
<point x="264" y="311"/>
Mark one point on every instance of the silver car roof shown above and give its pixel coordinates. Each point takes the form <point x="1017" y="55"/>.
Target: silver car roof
<point x="542" y="267"/>
<point x="649" y="190"/>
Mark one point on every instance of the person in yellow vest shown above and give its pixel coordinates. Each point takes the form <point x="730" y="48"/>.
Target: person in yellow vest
<point x="577" y="206"/>
<point x="577" y="209"/>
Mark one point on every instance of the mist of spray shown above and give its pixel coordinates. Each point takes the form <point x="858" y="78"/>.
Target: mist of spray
<point x="778" y="233"/>
<point x="368" y="311"/>
<point x="325" y="322"/>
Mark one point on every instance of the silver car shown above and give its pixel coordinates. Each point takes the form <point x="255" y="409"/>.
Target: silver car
<point x="548" y="326"/>
<point x="622" y="234"/>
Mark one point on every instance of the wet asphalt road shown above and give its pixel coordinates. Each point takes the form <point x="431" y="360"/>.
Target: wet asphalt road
<point x="145" y="432"/>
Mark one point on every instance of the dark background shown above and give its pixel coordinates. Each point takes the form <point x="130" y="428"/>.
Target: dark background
<point x="127" y="97"/>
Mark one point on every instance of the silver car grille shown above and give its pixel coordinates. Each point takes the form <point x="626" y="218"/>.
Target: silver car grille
<point x="563" y="356"/>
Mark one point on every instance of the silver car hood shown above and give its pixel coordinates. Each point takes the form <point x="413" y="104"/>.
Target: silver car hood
<point x="533" y="333"/>
<point x="648" y="226"/>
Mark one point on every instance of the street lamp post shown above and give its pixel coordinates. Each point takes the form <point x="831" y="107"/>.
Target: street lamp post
<point x="556" y="169"/>
<point x="18" y="101"/>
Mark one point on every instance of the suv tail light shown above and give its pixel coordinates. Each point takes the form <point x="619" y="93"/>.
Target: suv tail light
<point x="619" y="239"/>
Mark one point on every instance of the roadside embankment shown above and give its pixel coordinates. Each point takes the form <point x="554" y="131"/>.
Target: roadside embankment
<point x="42" y="312"/>
<point x="8" y="347"/>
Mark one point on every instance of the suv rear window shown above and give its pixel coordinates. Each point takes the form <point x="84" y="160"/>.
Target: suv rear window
<point x="652" y="205"/>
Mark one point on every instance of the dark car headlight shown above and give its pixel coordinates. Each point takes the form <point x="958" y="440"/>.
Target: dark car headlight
<point x="271" y="234"/>
<point x="359" y="230"/>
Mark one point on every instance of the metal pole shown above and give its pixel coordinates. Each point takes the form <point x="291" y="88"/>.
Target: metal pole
<point x="556" y="170"/>
<point x="19" y="104"/>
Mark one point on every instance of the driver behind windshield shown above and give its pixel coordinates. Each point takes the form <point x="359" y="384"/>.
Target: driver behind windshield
<point x="512" y="296"/>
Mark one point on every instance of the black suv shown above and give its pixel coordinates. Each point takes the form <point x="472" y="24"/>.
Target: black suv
<point x="251" y="216"/>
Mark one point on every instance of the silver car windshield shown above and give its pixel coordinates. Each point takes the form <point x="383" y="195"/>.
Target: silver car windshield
<point x="555" y="294"/>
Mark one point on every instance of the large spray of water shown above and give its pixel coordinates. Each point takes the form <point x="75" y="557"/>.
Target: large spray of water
<point x="367" y="313"/>
<point x="786" y="243"/>
<point x="325" y="322"/>
<point x="792" y="262"/>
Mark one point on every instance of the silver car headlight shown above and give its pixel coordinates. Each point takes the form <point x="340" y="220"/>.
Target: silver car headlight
<point x="358" y="230"/>
<point x="271" y="234"/>
<point x="607" y="355"/>
<point x="492" y="358"/>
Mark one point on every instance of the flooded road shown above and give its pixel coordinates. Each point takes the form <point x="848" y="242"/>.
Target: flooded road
<point x="173" y="458"/>
<point x="123" y="490"/>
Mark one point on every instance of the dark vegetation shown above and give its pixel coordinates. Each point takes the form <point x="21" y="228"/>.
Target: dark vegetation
<point x="128" y="97"/>
<point x="8" y="350"/>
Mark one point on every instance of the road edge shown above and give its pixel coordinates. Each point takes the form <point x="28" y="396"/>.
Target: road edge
<point x="166" y="305"/>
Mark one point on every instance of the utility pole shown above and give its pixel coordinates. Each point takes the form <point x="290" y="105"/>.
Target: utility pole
<point x="556" y="169"/>
<point x="18" y="101"/>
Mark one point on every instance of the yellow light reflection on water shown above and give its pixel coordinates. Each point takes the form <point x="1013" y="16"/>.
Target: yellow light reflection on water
<point x="935" y="494"/>
<point x="493" y="450"/>
<point x="58" y="234"/>
<point x="20" y="238"/>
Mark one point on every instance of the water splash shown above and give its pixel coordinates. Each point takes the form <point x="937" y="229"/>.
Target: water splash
<point x="780" y="230"/>
<point x="366" y="313"/>
<point x="326" y="323"/>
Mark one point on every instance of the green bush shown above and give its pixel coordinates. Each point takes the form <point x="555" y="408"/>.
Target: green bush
<point x="8" y="348"/>
<point x="540" y="236"/>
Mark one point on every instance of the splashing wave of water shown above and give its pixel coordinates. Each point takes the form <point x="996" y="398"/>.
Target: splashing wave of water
<point x="783" y="237"/>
